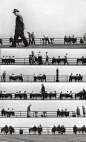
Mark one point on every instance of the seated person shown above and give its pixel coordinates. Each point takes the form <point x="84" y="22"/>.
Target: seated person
<point x="13" y="74"/>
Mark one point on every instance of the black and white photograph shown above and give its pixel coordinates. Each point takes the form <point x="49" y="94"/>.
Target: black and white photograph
<point x="43" y="70"/>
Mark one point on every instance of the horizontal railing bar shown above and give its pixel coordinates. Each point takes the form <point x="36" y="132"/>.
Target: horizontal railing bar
<point x="44" y="130"/>
<point x="41" y="78"/>
<point x="39" y="96"/>
<point x="51" y="61"/>
<point x="40" y="114"/>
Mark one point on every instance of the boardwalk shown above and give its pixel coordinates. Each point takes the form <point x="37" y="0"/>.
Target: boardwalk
<point x="54" y="46"/>
<point x="43" y="138"/>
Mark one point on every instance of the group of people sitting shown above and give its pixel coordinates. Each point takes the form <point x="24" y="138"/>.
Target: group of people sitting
<point x="21" y="92"/>
<point x="3" y="92"/>
<point x="70" y="39"/>
<point x="7" y="112"/>
<point x="8" y="59"/>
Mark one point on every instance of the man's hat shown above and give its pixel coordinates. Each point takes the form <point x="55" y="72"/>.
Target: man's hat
<point x="15" y="10"/>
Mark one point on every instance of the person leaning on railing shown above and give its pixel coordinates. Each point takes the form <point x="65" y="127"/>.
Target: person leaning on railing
<point x="45" y="39"/>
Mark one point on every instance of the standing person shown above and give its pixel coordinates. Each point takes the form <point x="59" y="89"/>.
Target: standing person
<point x="4" y="76"/>
<point x="28" y="110"/>
<point x="83" y="110"/>
<point x="78" y="111"/>
<point x="40" y="58"/>
<point x="47" y="58"/>
<point x="30" y="39"/>
<point x="43" y="91"/>
<point x="33" y="38"/>
<point x="19" y="29"/>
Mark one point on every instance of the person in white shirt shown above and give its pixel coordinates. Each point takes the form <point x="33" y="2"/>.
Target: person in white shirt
<point x="46" y="39"/>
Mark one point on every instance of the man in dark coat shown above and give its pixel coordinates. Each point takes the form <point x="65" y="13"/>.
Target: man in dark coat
<point x="43" y="91"/>
<point x="19" y="29"/>
<point x="4" y="76"/>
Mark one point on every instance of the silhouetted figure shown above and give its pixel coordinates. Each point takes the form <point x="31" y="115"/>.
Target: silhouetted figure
<point x="43" y="91"/>
<point x="83" y="110"/>
<point x="33" y="38"/>
<point x="28" y="110"/>
<point x="19" y="29"/>
<point x="47" y="58"/>
<point x="4" y="76"/>
<point x="46" y="39"/>
<point x="30" y="39"/>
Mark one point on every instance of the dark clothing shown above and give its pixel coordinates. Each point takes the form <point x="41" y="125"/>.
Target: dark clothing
<point x="19" y="23"/>
<point x="40" y="60"/>
<point x="30" y="39"/>
<point x="33" y="38"/>
<point x="47" y="58"/>
<point x="43" y="91"/>
<point x="4" y="76"/>
<point x="19" y="31"/>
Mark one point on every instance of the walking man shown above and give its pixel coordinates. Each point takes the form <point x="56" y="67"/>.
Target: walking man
<point x="19" y="29"/>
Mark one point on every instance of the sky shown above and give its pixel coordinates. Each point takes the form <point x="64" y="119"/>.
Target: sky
<point x="36" y="87"/>
<point x="51" y="70"/>
<point x="22" y="53"/>
<point x="55" y="18"/>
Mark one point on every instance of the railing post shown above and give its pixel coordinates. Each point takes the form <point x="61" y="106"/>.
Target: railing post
<point x="54" y="79"/>
<point x="48" y="130"/>
<point x="40" y="40"/>
<point x="20" y="113"/>
<point x="27" y="79"/>
<point x="67" y="78"/>
<point x="24" y="61"/>
<point x="33" y="113"/>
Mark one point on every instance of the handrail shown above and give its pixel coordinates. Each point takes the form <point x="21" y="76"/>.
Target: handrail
<point x="26" y="61"/>
<point x="41" y="78"/>
<point x="45" y="130"/>
<point x="39" y="96"/>
<point x="5" y="41"/>
<point x="40" y="114"/>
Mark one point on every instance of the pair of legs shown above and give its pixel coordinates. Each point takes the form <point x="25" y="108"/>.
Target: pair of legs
<point x="19" y="33"/>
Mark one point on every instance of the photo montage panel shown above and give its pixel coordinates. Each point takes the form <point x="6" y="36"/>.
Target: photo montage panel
<point x="43" y="90"/>
<point x="43" y="70"/>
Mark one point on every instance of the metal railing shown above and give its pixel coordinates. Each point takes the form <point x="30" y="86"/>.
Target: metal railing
<point x="25" y="61"/>
<point x="40" y="41"/>
<point x="39" y="114"/>
<point x="47" y="78"/>
<point x="39" y="96"/>
<point x="45" y="130"/>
